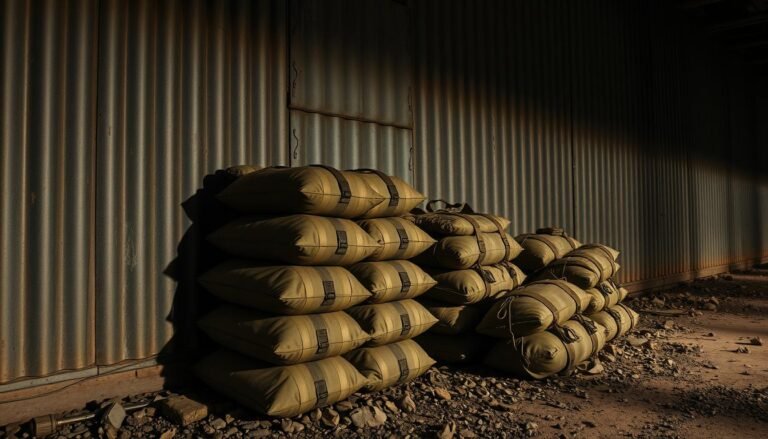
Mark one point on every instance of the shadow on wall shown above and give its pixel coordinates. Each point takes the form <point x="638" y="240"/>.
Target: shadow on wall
<point x="195" y="256"/>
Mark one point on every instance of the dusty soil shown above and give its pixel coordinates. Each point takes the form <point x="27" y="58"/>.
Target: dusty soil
<point x="694" y="368"/>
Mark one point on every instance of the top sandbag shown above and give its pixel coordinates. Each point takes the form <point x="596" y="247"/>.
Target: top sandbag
<point x="449" y="224"/>
<point x="399" y="196"/>
<point x="543" y="247"/>
<point x="316" y="189"/>
<point x="585" y="267"/>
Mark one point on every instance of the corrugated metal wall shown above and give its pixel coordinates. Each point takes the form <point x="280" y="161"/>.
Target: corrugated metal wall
<point x="610" y="119"/>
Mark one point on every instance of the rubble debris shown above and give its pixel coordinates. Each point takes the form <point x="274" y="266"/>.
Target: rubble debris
<point x="182" y="410"/>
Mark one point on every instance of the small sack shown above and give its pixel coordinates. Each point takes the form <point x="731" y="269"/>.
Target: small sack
<point x="317" y="190"/>
<point x="533" y="308"/>
<point x="399" y="196"/>
<point x="297" y="240"/>
<point x="448" y="224"/>
<point x="547" y="353"/>
<point x="285" y="289"/>
<point x="605" y="295"/>
<point x="464" y="287"/>
<point x="540" y="249"/>
<point x="454" y="319"/>
<point x="585" y="267"/>
<point x="391" y="364"/>
<point x="392" y="280"/>
<point x="617" y="320"/>
<point x="283" y="339"/>
<point x="280" y="391"/>
<point x="398" y="238"/>
<point x="462" y="252"/>
<point x="455" y="349"/>
<point x="393" y="321"/>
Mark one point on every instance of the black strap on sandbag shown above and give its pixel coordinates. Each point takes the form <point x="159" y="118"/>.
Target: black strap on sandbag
<point x="342" y="243"/>
<point x="329" y="288"/>
<point x="345" y="192"/>
<point x="405" y="280"/>
<point x="321" y="333"/>
<point x="321" y="388"/>
<point x="501" y="232"/>
<point x="402" y="234"/>
<point x="605" y="288"/>
<point x="510" y="269"/>
<point x="394" y="195"/>
<point x="449" y="207"/>
<point x="605" y="251"/>
<point x="405" y="318"/>
<point x="616" y="316"/>
<point x="632" y="319"/>
<point x="551" y="230"/>
<point x="544" y="241"/>
<point x="402" y="361"/>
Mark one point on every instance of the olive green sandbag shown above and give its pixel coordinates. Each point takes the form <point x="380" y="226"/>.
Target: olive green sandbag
<point x="393" y="321"/>
<point x="540" y="249"/>
<point x="447" y="224"/>
<point x="283" y="339"/>
<point x="307" y="189"/>
<point x="280" y="391"/>
<point x="391" y="364"/>
<point x="454" y="319"/>
<point x="462" y="252"/>
<point x="399" y="196"/>
<point x="545" y="353"/>
<point x="455" y="349"/>
<point x="464" y="287"/>
<point x="296" y="239"/>
<point x="285" y="289"/>
<point x="605" y="295"/>
<point x="533" y="308"/>
<point x="398" y="238"/>
<point x="392" y="280"/>
<point x="617" y="320"/>
<point x="586" y="266"/>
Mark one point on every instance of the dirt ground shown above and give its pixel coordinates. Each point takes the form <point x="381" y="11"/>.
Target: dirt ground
<point x="694" y="368"/>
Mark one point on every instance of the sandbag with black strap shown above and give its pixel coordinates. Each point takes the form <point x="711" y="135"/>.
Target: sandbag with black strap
<point x="453" y="319"/>
<point x="586" y="266"/>
<point x="280" y="391"/>
<point x="285" y="289"/>
<point x="442" y="221"/>
<point x="398" y="237"/>
<point x="392" y="280"/>
<point x="283" y="339"/>
<point x="455" y="349"/>
<point x="399" y="196"/>
<point x="315" y="189"/>
<point x="464" y="287"/>
<point x="543" y="247"/>
<point x="533" y="308"/>
<point x="392" y="321"/>
<point x="391" y="364"/>
<point x="605" y="295"/>
<point x="548" y="353"/>
<point x="617" y="320"/>
<point x="296" y="239"/>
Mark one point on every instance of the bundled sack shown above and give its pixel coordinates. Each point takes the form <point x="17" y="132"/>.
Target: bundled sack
<point x="464" y="287"/>
<point x="452" y="320"/>
<point x="392" y="280"/>
<point x="285" y="289"/>
<point x="455" y="349"/>
<point x="283" y="339"/>
<point x="296" y="239"/>
<point x="586" y="266"/>
<point x="399" y="196"/>
<point x="605" y="295"/>
<point x="533" y="308"/>
<point x="316" y="189"/>
<point x="543" y="247"/>
<point x="462" y="252"/>
<point x="392" y="321"/>
<point x="281" y="391"/>
<point x="449" y="224"/>
<point x="550" y="352"/>
<point x="398" y="238"/>
<point x="617" y="320"/>
<point x="391" y="364"/>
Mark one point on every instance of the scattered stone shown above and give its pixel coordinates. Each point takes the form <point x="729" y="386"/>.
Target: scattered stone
<point x="742" y="350"/>
<point x="669" y="324"/>
<point x="588" y="423"/>
<point x="316" y="415"/>
<point x="756" y="341"/>
<point x="727" y="277"/>
<point x="407" y="404"/>
<point x="448" y="431"/>
<point x="330" y="418"/>
<point x="392" y="407"/>
<point x="637" y="341"/>
<point x="112" y="419"/>
<point x="218" y="424"/>
<point x="229" y="418"/>
<point x="368" y="417"/>
<point x="467" y="434"/>
<point x="710" y="306"/>
<point x="658" y="302"/>
<point x="443" y="393"/>
<point x="182" y="410"/>
<point x="709" y="334"/>
<point x="168" y="434"/>
<point x="291" y="427"/>
<point x="344" y="406"/>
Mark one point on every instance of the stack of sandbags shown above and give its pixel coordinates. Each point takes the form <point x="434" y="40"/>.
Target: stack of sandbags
<point x="284" y="329"/>
<point x="471" y="264"/>
<point x="564" y="314"/>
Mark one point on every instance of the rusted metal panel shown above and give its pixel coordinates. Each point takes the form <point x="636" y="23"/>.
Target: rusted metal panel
<point x="185" y="88"/>
<point x="47" y="122"/>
